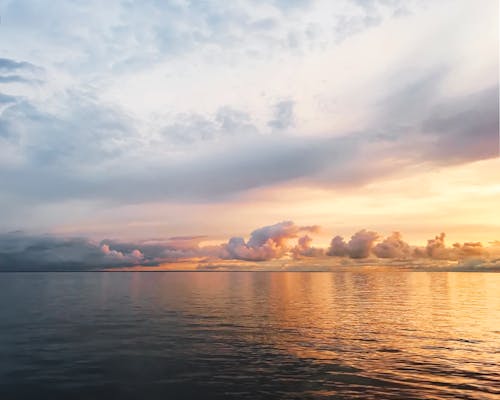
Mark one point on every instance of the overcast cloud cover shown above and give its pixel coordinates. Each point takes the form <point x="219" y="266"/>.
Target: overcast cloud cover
<point x="107" y="104"/>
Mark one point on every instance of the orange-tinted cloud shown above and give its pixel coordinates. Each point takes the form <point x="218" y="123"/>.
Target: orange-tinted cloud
<point x="282" y="241"/>
<point x="267" y="242"/>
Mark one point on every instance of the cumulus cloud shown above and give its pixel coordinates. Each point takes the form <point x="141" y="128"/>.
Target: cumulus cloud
<point x="359" y="246"/>
<point x="24" y="251"/>
<point x="365" y="244"/>
<point x="266" y="243"/>
<point x="469" y="249"/>
<point x="392" y="246"/>
<point x="361" y="243"/>
<point x="278" y="242"/>
<point x="435" y="248"/>
<point x="304" y="248"/>
<point x="338" y="247"/>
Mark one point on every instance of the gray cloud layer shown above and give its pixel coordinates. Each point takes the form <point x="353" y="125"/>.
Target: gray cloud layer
<point x="72" y="156"/>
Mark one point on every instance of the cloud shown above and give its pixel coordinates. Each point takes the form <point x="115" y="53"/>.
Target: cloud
<point x="338" y="247"/>
<point x="216" y="70"/>
<point x="392" y="246"/>
<point x="469" y="249"/>
<point x="12" y="71"/>
<point x="361" y="243"/>
<point x="100" y="158"/>
<point x="347" y="26"/>
<point x="435" y="248"/>
<point x="192" y="129"/>
<point x="359" y="246"/>
<point x="24" y="251"/>
<point x="478" y="264"/>
<point x="70" y="139"/>
<point x="7" y="65"/>
<point x="266" y="243"/>
<point x="283" y="115"/>
<point x="304" y="248"/>
<point x="281" y="244"/>
<point x="6" y="99"/>
<point x="19" y="251"/>
<point x="465" y="128"/>
<point x="14" y="79"/>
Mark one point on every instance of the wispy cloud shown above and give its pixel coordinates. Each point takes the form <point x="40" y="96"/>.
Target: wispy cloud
<point x="130" y="103"/>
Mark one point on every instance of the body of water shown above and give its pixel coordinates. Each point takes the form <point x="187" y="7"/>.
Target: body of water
<point x="183" y="335"/>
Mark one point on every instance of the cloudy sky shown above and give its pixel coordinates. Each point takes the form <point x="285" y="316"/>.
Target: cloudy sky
<point x="137" y="120"/>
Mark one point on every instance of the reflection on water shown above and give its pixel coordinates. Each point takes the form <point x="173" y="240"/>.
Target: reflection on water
<point x="356" y="334"/>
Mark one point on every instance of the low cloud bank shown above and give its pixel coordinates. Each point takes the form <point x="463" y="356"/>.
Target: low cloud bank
<point x="281" y="241"/>
<point x="19" y="251"/>
<point x="360" y="245"/>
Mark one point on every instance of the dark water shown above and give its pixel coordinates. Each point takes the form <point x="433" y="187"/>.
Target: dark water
<point x="360" y="334"/>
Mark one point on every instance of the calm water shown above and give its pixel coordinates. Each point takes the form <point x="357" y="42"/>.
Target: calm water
<point x="355" y="334"/>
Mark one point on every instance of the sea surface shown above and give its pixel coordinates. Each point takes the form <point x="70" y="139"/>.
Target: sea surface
<point x="363" y="333"/>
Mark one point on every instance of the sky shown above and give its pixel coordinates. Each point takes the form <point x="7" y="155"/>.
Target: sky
<point x="138" y="122"/>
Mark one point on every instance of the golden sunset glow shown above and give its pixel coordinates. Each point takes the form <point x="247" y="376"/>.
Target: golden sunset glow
<point x="353" y="129"/>
<point x="249" y="199"/>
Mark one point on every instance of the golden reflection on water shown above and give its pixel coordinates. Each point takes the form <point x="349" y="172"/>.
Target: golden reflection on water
<point x="425" y="331"/>
<point x="359" y="333"/>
